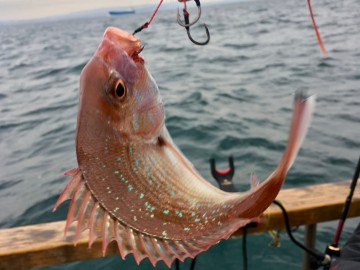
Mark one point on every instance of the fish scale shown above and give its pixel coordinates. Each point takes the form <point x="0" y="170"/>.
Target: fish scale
<point x="133" y="185"/>
<point x="132" y="210"/>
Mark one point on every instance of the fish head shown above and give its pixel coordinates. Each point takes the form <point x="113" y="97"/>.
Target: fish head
<point x="117" y="92"/>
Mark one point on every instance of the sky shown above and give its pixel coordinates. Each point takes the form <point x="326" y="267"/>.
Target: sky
<point x="31" y="9"/>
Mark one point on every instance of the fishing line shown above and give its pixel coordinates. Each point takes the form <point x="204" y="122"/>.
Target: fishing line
<point x="244" y="249"/>
<point x="321" y="44"/>
<point x="192" y="266"/>
<point x="320" y="257"/>
<point x="146" y="24"/>
<point x="193" y="262"/>
<point x="185" y="4"/>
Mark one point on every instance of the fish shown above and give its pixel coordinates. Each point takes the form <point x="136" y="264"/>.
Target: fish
<point x="133" y="185"/>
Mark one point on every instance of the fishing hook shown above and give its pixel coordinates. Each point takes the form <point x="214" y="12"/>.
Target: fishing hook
<point x="186" y="17"/>
<point x="187" y="23"/>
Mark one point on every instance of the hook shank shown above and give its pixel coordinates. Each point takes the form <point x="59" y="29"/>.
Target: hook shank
<point x="186" y="17"/>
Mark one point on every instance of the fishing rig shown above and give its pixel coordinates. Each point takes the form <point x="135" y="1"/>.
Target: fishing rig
<point x="318" y="259"/>
<point x="187" y="24"/>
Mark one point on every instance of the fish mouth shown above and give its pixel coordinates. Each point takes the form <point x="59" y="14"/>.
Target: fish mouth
<point x="125" y="41"/>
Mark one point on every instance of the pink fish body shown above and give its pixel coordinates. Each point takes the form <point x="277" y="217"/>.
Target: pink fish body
<point x="132" y="184"/>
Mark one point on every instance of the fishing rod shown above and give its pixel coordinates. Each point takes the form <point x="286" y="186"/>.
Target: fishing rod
<point x="333" y="249"/>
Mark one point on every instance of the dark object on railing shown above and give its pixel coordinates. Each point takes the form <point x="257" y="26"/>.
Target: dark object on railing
<point x="224" y="177"/>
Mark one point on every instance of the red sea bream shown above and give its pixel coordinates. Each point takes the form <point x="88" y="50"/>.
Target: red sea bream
<point x="132" y="184"/>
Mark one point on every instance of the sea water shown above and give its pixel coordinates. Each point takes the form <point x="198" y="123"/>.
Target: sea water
<point x="233" y="96"/>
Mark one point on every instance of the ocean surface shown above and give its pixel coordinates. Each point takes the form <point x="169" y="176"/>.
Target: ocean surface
<point x="231" y="97"/>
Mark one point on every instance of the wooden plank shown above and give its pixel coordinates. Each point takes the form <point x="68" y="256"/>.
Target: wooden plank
<point x="310" y="205"/>
<point x="43" y="244"/>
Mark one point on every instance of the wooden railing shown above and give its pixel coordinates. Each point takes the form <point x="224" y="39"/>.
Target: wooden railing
<point x="43" y="244"/>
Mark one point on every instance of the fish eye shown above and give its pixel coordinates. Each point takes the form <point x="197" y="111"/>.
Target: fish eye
<point x="120" y="89"/>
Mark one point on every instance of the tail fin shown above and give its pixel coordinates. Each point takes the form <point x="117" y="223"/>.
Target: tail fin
<point x="259" y="198"/>
<point x="303" y="109"/>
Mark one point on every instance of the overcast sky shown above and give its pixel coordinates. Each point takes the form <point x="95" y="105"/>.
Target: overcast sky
<point x="29" y="9"/>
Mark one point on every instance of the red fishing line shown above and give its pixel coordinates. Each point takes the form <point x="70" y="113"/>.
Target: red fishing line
<point x="146" y="25"/>
<point x="321" y="44"/>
